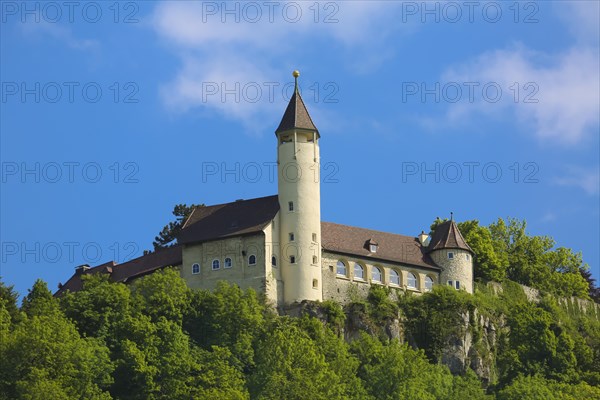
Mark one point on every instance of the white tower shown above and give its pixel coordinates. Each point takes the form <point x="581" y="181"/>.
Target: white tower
<point x="300" y="202"/>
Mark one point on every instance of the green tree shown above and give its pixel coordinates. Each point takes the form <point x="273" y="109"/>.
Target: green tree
<point x="162" y="294"/>
<point x="289" y="366"/>
<point x="168" y="234"/>
<point x="489" y="264"/>
<point x="43" y="355"/>
<point x="9" y="298"/>
<point x="228" y="317"/>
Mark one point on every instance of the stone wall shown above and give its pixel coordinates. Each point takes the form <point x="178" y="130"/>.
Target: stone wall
<point x="459" y="268"/>
<point x="241" y="272"/>
<point x="345" y="288"/>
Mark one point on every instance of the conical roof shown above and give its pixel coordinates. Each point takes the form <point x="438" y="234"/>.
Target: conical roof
<point x="448" y="236"/>
<point x="296" y="115"/>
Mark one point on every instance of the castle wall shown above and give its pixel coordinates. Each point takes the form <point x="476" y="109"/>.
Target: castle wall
<point x="344" y="289"/>
<point x="459" y="268"/>
<point x="241" y="273"/>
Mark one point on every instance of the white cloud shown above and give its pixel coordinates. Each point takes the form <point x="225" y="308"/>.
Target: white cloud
<point x="213" y="48"/>
<point x="586" y="179"/>
<point x="564" y="85"/>
<point x="57" y="32"/>
<point x="563" y="88"/>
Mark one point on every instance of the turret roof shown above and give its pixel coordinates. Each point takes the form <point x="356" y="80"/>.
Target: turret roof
<point x="447" y="236"/>
<point x="296" y="115"/>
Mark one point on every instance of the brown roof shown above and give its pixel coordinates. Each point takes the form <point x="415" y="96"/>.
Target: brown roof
<point x="241" y="217"/>
<point x="391" y="247"/>
<point x="296" y="115"/>
<point x="447" y="236"/>
<point x="128" y="270"/>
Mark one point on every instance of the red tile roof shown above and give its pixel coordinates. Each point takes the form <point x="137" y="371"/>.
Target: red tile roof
<point x="447" y="236"/>
<point x="391" y="247"/>
<point x="220" y="221"/>
<point x="126" y="271"/>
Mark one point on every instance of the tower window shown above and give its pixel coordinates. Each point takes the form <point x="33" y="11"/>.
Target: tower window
<point x="274" y="261"/>
<point x="457" y="284"/>
<point x="394" y="277"/>
<point x="292" y="236"/>
<point x="252" y="260"/>
<point x="315" y="284"/>
<point x="450" y="255"/>
<point x="376" y="274"/>
<point x="291" y="206"/>
<point x="314" y="236"/>
<point x="411" y="281"/>
<point x="315" y="259"/>
<point x="195" y="268"/>
<point x="428" y="283"/>
<point x="359" y="272"/>
<point x="292" y="259"/>
<point x="228" y="263"/>
<point x="468" y="257"/>
<point x="216" y="264"/>
<point x="341" y="268"/>
<point x="450" y="283"/>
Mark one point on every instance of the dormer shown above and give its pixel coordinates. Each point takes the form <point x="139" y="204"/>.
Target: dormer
<point x="371" y="245"/>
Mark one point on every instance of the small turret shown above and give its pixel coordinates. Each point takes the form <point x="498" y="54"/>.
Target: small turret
<point x="449" y="250"/>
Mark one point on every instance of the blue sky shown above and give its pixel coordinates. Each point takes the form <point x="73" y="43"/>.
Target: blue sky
<point x="112" y="113"/>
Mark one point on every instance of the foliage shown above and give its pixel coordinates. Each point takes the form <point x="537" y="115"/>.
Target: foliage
<point x="157" y="339"/>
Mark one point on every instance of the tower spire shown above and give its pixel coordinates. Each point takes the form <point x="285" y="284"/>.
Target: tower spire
<point x="296" y="115"/>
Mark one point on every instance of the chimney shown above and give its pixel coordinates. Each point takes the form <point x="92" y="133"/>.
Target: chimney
<point x="81" y="269"/>
<point x="423" y="238"/>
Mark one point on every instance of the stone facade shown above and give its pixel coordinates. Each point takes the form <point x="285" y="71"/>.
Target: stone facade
<point x="343" y="288"/>
<point x="239" y="250"/>
<point x="457" y="266"/>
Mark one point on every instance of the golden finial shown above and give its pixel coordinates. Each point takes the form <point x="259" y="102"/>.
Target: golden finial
<point x="296" y="74"/>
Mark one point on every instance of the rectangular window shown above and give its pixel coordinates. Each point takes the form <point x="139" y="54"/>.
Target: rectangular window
<point x="457" y="284"/>
<point x="291" y="206"/>
<point x="292" y="260"/>
<point x="315" y="259"/>
<point x="450" y="255"/>
<point x="468" y="257"/>
<point x="373" y="248"/>
<point x="314" y="237"/>
<point x="315" y="284"/>
<point x="450" y="283"/>
<point x="291" y="236"/>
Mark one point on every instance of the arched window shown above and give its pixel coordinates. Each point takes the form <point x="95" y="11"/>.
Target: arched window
<point x="216" y="264"/>
<point x="274" y="261"/>
<point x="228" y="263"/>
<point x="252" y="260"/>
<point x="376" y="272"/>
<point x="195" y="268"/>
<point x="341" y="268"/>
<point x="411" y="280"/>
<point x="428" y="283"/>
<point x="359" y="271"/>
<point x="394" y="277"/>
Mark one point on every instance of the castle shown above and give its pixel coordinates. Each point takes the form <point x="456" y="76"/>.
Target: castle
<point x="279" y="246"/>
